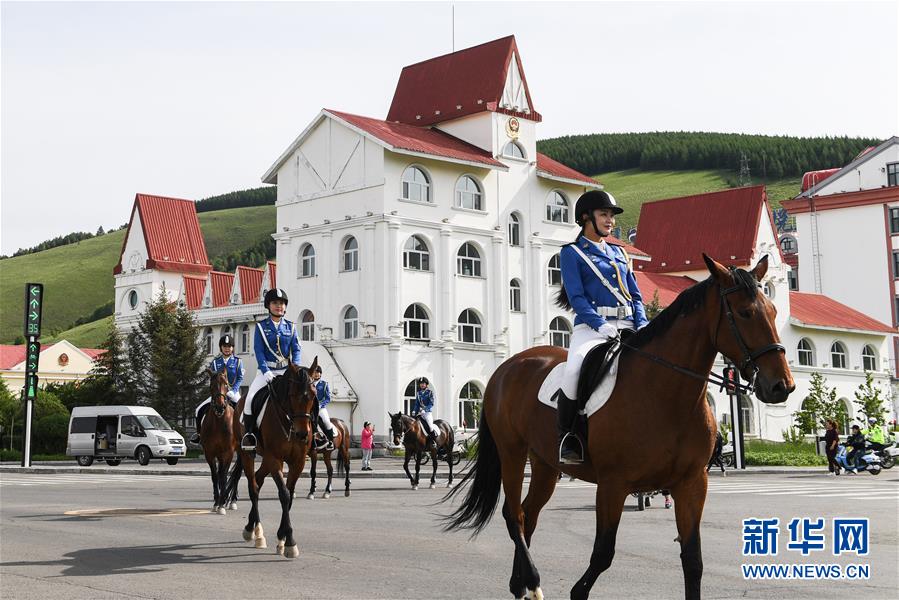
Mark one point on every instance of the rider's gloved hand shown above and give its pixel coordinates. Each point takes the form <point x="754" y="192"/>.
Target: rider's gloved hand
<point x="607" y="330"/>
<point x="234" y="395"/>
<point x="269" y="376"/>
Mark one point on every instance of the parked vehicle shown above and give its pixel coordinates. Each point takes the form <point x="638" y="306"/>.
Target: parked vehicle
<point x="114" y="433"/>
<point x="727" y="455"/>
<point x="869" y="461"/>
<point x="889" y="455"/>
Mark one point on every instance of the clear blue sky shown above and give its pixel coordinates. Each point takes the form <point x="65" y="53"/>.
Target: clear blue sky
<point x="103" y="100"/>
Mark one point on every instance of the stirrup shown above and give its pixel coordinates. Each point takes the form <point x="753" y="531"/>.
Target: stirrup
<point x="195" y="439"/>
<point x="248" y="442"/>
<point x="572" y="457"/>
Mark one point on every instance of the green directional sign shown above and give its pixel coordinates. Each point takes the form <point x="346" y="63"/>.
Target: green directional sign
<point x="31" y="387"/>
<point x="34" y="299"/>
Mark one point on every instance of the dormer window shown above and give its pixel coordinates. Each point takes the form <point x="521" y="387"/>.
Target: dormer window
<point x="514" y="150"/>
<point x="892" y="174"/>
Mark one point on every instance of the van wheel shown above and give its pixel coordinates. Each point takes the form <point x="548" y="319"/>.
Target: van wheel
<point x="113" y="462"/>
<point x="84" y="461"/>
<point x="143" y="456"/>
<point x="172" y="461"/>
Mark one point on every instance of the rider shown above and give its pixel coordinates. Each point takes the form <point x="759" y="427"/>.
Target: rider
<point x="233" y="371"/>
<point x="323" y="391"/>
<point x="424" y="407"/>
<point x="601" y="289"/>
<point x="275" y="345"/>
<point x="874" y="435"/>
<point x="857" y="442"/>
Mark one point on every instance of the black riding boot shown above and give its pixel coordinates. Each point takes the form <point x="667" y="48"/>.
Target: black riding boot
<point x="328" y="444"/>
<point x="571" y="448"/>
<point x="195" y="438"/>
<point x="249" y="440"/>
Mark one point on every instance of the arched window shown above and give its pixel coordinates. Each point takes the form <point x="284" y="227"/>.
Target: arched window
<point x="844" y="415"/>
<point x="838" y="355"/>
<point x="514" y="150"/>
<point x="557" y="208"/>
<point x="768" y="290"/>
<point x="469" y="326"/>
<point x="747" y="415"/>
<point x="132" y="299"/>
<point x="351" y="254"/>
<point x="416" y="255"/>
<point x="468" y="261"/>
<point x="869" y="358"/>
<point x="468" y="193"/>
<point x="207" y="340"/>
<point x="350" y="323"/>
<point x="415" y="323"/>
<point x="515" y="295"/>
<point x="226" y="330"/>
<point x="560" y="332"/>
<point x="409" y="396"/>
<point x="244" y="339"/>
<point x="307" y="261"/>
<point x="514" y="230"/>
<point x="806" y="353"/>
<point x="554" y="271"/>
<point x="416" y="185"/>
<point x="307" y="326"/>
<point x="788" y="244"/>
<point x="470" y="398"/>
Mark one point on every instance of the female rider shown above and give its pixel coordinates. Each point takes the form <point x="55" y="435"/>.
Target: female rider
<point x="233" y="371"/>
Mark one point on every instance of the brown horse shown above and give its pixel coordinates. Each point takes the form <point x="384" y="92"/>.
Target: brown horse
<point x="659" y="395"/>
<point x="342" y="447"/>
<point x="219" y="444"/>
<point x="409" y="430"/>
<point x="285" y="436"/>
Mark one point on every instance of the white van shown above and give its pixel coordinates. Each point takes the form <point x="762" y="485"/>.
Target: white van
<point x="116" y="432"/>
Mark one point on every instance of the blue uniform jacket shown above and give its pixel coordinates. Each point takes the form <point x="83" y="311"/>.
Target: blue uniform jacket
<point x="586" y="291"/>
<point x="281" y="338"/>
<point x="424" y="401"/>
<point x="233" y="368"/>
<point x="323" y="391"/>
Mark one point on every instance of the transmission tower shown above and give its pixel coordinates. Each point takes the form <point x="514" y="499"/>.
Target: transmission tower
<point x="745" y="179"/>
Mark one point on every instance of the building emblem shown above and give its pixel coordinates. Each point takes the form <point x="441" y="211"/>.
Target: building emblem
<point x="63" y="359"/>
<point x="512" y="127"/>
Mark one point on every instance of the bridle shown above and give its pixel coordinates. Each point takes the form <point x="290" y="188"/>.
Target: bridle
<point x="286" y="414"/>
<point x="218" y="394"/>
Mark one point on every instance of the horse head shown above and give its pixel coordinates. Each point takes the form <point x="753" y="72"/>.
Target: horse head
<point x="218" y="390"/>
<point x="399" y="426"/>
<point x="746" y="333"/>
<point x="301" y="398"/>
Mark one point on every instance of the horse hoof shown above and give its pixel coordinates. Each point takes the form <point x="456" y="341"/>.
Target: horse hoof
<point x="310" y="497"/>
<point x="326" y="496"/>
<point x="535" y="594"/>
<point x="247" y="535"/>
<point x="233" y="506"/>
<point x="414" y="487"/>
<point x="432" y="486"/>
<point x="221" y="510"/>
<point x="260" y="543"/>
<point x="347" y="493"/>
<point x="291" y="552"/>
<point x="293" y="494"/>
<point x="449" y="484"/>
<point x="214" y="509"/>
<point x="279" y="549"/>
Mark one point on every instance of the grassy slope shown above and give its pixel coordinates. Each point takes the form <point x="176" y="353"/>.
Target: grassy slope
<point x="88" y="335"/>
<point x="633" y="187"/>
<point x="78" y="277"/>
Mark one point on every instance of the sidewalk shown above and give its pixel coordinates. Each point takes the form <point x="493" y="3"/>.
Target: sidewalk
<point x="387" y="467"/>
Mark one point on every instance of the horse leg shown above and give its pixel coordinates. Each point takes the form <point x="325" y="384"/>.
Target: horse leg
<point x="609" y="504"/>
<point x="543" y="483"/>
<point x="449" y="463"/>
<point x="525" y="580"/>
<point x="417" y="469"/>
<point x="434" y="470"/>
<point x="221" y="477"/>
<point x="406" y="468"/>
<point x="346" y="468"/>
<point x="215" y="487"/>
<point x="330" y="469"/>
<point x="285" y="530"/>
<point x="249" y="532"/>
<point x="259" y="479"/>
<point x="312" y="463"/>
<point x="230" y="503"/>
<point x="690" y="500"/>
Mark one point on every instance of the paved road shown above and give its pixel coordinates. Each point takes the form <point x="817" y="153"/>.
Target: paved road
<point x="76" y="535"/>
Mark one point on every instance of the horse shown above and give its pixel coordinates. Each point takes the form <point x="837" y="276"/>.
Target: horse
<point x="659" y="395"/>
<point x="342" y="447"/>
<point x="415" y="440"/>
<point x="219" y="444"/>
<point x="285" y="436"/>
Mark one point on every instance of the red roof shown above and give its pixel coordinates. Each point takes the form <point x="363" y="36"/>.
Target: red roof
<point x="455" y="85"/>
<point x="250" y="280"/>
<point x="194" y="288"/>
<point x="93" y="352"/>
<point x="553" y="168"/>
<point x="222" y="283"/>
<point x="419" y="139"/>
<point x="172" y="234"/>
<point x="668" y="286"/>
<point x="842" y="200"/>
<point x="813" y="178"/>
<point x="632" y="250"/>
<point x="816" y="309"/>
<point x="724" y="225"/>
<point x="272" y="273"/>
<point x="10" y="356"/>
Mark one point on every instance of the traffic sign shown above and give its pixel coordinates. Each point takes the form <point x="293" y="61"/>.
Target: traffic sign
<point x="34" y="299"/>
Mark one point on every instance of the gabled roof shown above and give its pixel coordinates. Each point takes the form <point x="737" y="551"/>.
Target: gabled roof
<point x="863" y="157"/>
<point x="724" y="225"/>
<point x="250" y="282"/>
<point x="813" y="178"/>
<point x="11" y="356"/>
<point x="553" y="169"/>
<point x="194" y="289"/>
<point x="172" y="234"/>
<point x="668" y="286"/>
<point x="820" y="310"/>
<point x="632" y="250"/>
<point x="462" y="83"/>
<point x="272" y="272"/>
<point x="221" y="287"/>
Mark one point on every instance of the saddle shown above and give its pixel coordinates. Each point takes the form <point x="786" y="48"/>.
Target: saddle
<point x="425" y="428"/>
<point x="594" y="369"/>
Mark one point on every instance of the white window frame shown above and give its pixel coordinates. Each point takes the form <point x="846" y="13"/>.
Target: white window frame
<point x="810" y="352"/>
<point x="350" y="255"/>
<point x="466" y="197"/>
<point x="470" y="394"/>
<point x="474" y="260"/>
<point x="472" y="327"/>
<point x="514" y="230"/>
<point x="423" y="256"/>
<point x="307" y="261"/>
<point x="128" y="297"/>
<point x="560" y="337"/>
<point x="563" y="208"/>
<point x="517" y="146"/>
<point x="839" y="354"/>
<point x="244" y="338"/>
<point x="419" y="320"/>
<point x="409" y="401"/>
<point x="554" y="268"/>
<point x="869" y="353"/>
<point x="207" y="336"/>
<point x="307" y="328"/>
<point x="515" y="296"/>
<point x="408" y="184"/>
<point x="350" y="323"/>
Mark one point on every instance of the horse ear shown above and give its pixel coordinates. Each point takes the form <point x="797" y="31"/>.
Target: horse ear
<point x="314" y="364"/>
<point x="718" y="271"/>
<point x="760" y="268"/>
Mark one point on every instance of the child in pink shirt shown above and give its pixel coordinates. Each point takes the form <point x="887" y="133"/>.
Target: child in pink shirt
<point x="368" y="431"/>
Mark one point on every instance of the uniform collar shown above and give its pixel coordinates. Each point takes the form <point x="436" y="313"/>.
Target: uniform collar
<point x="592" y="248"/>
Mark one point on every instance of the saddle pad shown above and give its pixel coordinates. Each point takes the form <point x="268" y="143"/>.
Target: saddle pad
<point x="553" y="381"/>
<point x="260" y="403"/>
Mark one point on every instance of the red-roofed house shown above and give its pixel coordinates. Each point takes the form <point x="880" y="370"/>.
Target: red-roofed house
<point x="59" y="362"/>
<point x="247" y="284"/>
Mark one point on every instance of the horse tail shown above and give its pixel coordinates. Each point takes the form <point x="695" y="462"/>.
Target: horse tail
<point x="483" y="480"/>
<point x="233" y="480"/>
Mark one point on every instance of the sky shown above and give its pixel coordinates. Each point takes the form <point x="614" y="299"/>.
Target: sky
<point x="100" y="101"/>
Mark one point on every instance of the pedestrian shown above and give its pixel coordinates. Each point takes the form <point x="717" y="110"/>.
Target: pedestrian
<point x="831" y="441"/>
<point x="716" y="454"/>
<point x="368" y="433"/>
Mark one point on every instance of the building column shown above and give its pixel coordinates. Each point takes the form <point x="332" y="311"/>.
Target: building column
<point x="536" y="294"/>
<point x="444" y="272"/>
<point x="497" y="306"/>
<point x="369" y="261"/>
<point x="393" y="274"/>
<point x="324" y="291"/>
<point x="446" y="398"/>
<point x="394" y="395"/>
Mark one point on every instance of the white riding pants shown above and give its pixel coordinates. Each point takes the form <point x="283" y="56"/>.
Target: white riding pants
<point x="429" y="418"/>
<point x="258" y="384"/>
<point x="583" y="339"/>
<point x="325" y="419"/>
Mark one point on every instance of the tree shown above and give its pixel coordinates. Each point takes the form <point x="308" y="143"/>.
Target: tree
<point x="819" y="406"/>
<point x="870" y="400"/>
<point x="111" y="378"/>
<point x="9" y="407"/>
<point x="654" y="307"/>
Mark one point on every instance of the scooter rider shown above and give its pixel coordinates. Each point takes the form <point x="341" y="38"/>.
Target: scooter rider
<point x="874" y="435"/>
<point x="323" y="391"/>
<point x="233" y="371"/>
<point x="857" y="442"/>
<point x="275" y="344"/>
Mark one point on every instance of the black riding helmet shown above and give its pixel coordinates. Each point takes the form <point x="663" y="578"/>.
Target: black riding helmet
<point x="226" y="340"/>
<point x="423" y="380"/>
<point x="274" y="294"/>
<point x="590" y="201"/>
<point x="317" y="369"/>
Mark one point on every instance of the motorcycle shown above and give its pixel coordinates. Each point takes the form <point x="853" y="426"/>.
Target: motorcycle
<point x="869" y="461"/>
<point x="889" y="455"/>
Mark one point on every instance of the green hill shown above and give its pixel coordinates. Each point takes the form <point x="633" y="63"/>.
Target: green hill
<point x="88" y="335"/>
<point x="633" y="187"/>
<point x="78" y="278"/>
